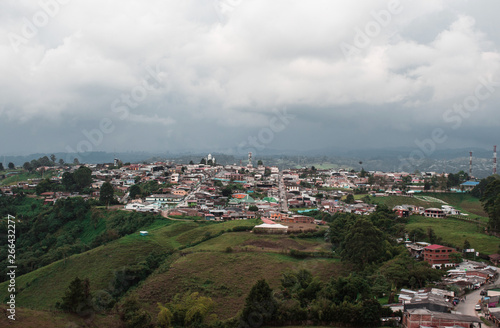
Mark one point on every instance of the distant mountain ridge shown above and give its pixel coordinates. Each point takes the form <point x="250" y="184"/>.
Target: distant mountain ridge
<point x="447" y="160"/>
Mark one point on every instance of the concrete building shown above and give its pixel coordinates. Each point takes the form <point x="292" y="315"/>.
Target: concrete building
<point x="437" y="255"/>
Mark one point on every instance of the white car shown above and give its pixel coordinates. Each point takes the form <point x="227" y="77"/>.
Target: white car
<point x="478" y="307"/>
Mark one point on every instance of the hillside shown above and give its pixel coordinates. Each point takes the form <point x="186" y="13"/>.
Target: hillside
<point x="455" y="232"/>
<point x="218" y="260"/>
<point x="196" y="267"/>
<point x="464" y="202"/>
<point x="226" y="277"/>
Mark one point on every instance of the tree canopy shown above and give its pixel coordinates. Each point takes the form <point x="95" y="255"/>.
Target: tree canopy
<point x="82" y="177"/>
<point x="106" y="195"/>
<point x="491" y="204"/>
<point x="364" y="244"/>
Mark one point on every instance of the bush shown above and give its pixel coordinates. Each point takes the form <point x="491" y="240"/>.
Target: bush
<point x="103" y="300"/>
<point x="242" y="228"/>
<point x="298" y="254"/>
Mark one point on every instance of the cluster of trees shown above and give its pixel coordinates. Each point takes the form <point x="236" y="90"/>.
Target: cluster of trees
<point x="190" y="310"/>
<point x="48" y="233"/>
<point x="42" y="161"/>
<point x="205" y="162"/>
<point x="11" y="166"/>
<point x="488" y="191"/>
<point x="490" y="198"/>
<point x="303" y="298"/>
<point x="144" y="189"/>
<point x="80" y="180"/>
<point x="228" y="190"/>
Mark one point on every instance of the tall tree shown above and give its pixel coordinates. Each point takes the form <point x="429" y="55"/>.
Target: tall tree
<point x="68" y="181"/>
<point x="466" y="244"/>
<point x="45" y="161"/>
<point x="479" y="190"/>
<point x="53" y="158"/>
<point x="260" y="306"/>
<point x="82" y="177"/>
<point x="107" y="193"/>
<point x="491" y="204"/>
<point x="1" y="167"/>
<point x="134" y="191"/>
<point x="363" y="245"/>
<point x="11" y="166"/>
<point x="43" y="186"/>
<point x="27" y="166"/>
<point x="77" y="297"/>
<point x="349" y="199"/>
<point x="61" y="161"/>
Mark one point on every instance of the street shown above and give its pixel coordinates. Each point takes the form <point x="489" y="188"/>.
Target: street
<point x="468" y="306"/>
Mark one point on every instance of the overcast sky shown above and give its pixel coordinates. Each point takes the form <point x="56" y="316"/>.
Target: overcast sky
<point x="189" y="75"/>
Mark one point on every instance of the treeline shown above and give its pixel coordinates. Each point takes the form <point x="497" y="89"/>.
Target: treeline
<point x="44" y="161"/>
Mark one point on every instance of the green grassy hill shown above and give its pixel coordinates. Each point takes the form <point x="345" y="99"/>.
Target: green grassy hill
<point x="15" y="176"/>
<point x="464" y="202"/>
<point x="42" y="288"/>
<point x="207" y="266"/>
<point x="226" y="277"/>
<point x="392" y="201"/>
<point x="455" y="232"/>
<point x="211" y="258"/>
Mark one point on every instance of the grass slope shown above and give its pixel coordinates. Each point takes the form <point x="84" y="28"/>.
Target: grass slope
<point x="392" y="201"/>
<point x="455" y="232"/>
<point x="247" y="241"/>
<point x="226" y="277"/>
<point x="464" y="201"/>
<point x="42" y="288"/>
<point x="27" y="318"/>
<point x="21" y="175"/>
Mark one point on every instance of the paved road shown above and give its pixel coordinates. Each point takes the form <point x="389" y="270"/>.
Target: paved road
<point x="468" y="307"/>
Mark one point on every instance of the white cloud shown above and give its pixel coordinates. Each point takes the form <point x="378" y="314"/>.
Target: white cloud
<point x="231" y="68"/>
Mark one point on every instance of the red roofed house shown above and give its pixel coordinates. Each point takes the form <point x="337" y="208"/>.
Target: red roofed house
<point x="437" y="255"/>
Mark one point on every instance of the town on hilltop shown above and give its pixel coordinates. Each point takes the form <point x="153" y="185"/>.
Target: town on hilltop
<point x="301" y="203"/>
